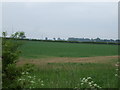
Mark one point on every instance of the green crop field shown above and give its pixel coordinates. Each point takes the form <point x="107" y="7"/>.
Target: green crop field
<point x="36" y="49"/>
<point x="61" y="65"/>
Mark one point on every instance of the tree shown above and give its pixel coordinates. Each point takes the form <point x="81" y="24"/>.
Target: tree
<point x="4" y="34"/>
<point x="18" y="35"/>
<point x="21" y="35"/>
<point x="10" y="54"/>
<point x="54" y="39"/>
<point x="46" y="38"/>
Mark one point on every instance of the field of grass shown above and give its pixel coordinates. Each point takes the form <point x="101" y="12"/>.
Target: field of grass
<point x="65" y="73"/>
<point x="37" y="49"/>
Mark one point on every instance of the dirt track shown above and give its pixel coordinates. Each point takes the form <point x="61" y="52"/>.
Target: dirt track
<point x="41" y="61"/>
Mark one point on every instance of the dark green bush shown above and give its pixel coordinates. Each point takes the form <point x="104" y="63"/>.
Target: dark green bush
<point x="10" y="54"/>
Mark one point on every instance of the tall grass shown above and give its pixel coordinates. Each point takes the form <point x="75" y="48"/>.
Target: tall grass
<point x="67" y="75"/>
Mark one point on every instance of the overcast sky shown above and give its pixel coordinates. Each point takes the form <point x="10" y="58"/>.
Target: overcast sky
<point x="62" y="19"/>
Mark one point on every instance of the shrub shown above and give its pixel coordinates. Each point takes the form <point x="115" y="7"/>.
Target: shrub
<point x="10" y="54"/>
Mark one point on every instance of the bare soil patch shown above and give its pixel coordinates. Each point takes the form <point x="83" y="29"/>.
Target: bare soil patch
<point x="43" y="61"/>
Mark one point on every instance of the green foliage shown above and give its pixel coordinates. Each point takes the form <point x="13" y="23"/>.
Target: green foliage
<point x="18" y="35"/>
<point x="10" y="54"/>
<point x="29" y="68"/>
<point x="10" y="51"/>
<point x="27" y="80"/>
<point x="4" y="34"/>
<point x="9" y="77"/>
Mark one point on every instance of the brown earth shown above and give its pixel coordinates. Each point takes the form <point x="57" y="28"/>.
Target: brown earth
<point x="43" y="61"/>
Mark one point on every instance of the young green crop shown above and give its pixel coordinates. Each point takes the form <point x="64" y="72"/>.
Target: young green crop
<point x="37" y="49"/>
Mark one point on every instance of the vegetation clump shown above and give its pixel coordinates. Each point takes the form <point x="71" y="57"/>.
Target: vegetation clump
<point x="10" y="55"/>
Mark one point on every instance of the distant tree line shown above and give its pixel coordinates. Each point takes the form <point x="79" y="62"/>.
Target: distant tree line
<point x="69" y="40"/>
<point x="93" y="40"/>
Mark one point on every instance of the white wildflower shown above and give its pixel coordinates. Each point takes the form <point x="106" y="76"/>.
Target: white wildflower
<point x="32" y="81"/>
<point x="90" y="83"/>
<point x="19" y="79"/>
<point x="86" y="80"/>
<point x="116" y="65"/>
<point x="95" y="84"/>
<point x="116" y="75"/>
<point x="75" y="87"/>
<point x="27" y="73"/>
<point x="81" y="83"/>
<point x="23" y="73"/>
<point x="42" y="84"/>
<point x="83" y="79"/>
<point x="89" y="78"/>
<point x="29" y="77"/>
<point x="98" y="86"/>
